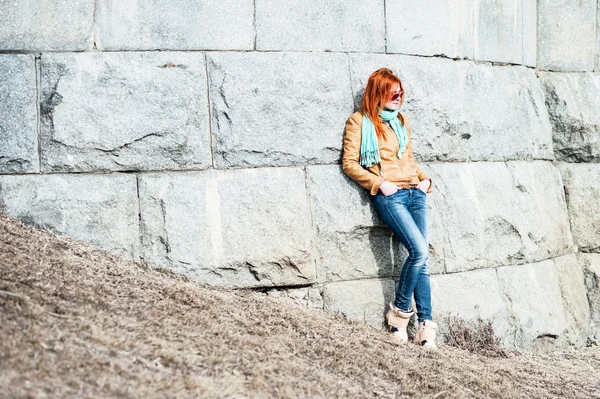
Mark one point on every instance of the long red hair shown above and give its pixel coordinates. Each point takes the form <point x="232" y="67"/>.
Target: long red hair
<point x="377" y="93"/>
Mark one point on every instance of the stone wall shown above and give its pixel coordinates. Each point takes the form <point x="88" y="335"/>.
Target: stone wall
<point x="205" y="137"/>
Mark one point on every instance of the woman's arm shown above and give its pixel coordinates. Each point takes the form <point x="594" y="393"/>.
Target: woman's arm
<point x="351" y="156"/>
<point x="411" y="156"/>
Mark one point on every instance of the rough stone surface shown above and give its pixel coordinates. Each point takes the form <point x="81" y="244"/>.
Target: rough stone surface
<point x="313" y="25"/>
<point x="275" y="109"/>
<point x="351" y="240"/>
<point x="502" y="29"/>
<point x="175" y="25"/>
<point x="591" y="270"/>
<point x="573" y="291"/>
<point x="101" y="210"/>
<point x="236" y="228"/>
<point x="582" y="188"/>
<point x="566" y="35"/>
<point x="470" y="295"/>
<point x="533" y="297"/>
<point x="530" y="35"/>
<point x="18" y="114"/>
<point x="306" y="296"/>
<point x="597" y="58"/>
<point x="573" y="101"/>
<point x="360" y="300"/>
<point x="459" y="109"/>
<point x="495" y="214"/>
<point x="435" y="27"/>
<point x="46" y="25"/>
<point x="124" y="111"/>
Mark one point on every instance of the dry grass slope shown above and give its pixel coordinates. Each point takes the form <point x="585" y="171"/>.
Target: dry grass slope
<point x="77" y="322"/>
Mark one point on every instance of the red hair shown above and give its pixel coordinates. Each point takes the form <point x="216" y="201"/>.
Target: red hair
<point x="377" y="94"/>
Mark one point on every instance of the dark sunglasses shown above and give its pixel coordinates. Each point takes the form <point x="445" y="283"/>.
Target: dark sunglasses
<point x="395" y="96"/>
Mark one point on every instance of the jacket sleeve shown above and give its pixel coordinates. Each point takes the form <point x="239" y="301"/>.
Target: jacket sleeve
<point x="351" y="156"/>
<point x="411" y="156"/>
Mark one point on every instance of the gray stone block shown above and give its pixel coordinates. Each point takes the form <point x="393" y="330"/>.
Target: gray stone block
<point x="237" y="228"/>
<point x="591" y="269"/>
<point x="46" y="25"/>
<point x="495" y="214"/>
<point x="313" y="25"/>
<point x="597" y="55"/>
<point x="573" y="290"/>
<point x="430" y="27"/>
<point x="469" y="296"/>
<point x="459" y="109"/>
<point x="306" y="296"/>
<point x="360" y="300"/>
<point x="124" y="111"/>
<point x="534" y="301"/>
<point x="530" y="35"/>
<point x="351" y="240"/>
<point x="566" y="32"/>
<point x="101" y="210"/>
<point x="277" y="109"/>
<point x="505" y="31"/>
<point x="18" y="114"/>
<point x="582" y="188"/>
<point x="573" y="101"/>
<point x="175" y="25"/>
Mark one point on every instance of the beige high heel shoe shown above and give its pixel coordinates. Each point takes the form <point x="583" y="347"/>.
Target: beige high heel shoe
<point x="397" y="321"/>
<point x="425" y="335"/>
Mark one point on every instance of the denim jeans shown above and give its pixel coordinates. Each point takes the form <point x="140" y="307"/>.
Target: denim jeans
<point x="405" y="212"/>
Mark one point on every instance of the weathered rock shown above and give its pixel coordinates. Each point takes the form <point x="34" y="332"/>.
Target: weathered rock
<point x="18" y="114"/>
<point x="101" y="210"/>
<point x="360" y="300"/>
<point x="459" y="109"/>
<point x="573" y="292"/>
<point x="430" y="28"/>
<point x="237" y="228"/>
<point x="306" y="296"/>
<point x="469" y="296"/>
<point x="505" y="31"/>
<point x="495" y="214"/>
<point x="179" y="25"/>
<point x="46" y="25"/>
<point x="124" y="111"/>
<point x="573" y="100"/>
<point x="312" y="25"/>
<point x="276" y="109"/>
<point x="582" y="188"/>
<point x="591" y="270"/>
<point x="566" y="35"/>
<point x="351" y="239"/>
<point x="534" y="301"/>
<point x="597" y="59"/>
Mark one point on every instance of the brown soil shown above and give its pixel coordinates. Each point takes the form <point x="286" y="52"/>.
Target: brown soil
<point x="77" y="322"/>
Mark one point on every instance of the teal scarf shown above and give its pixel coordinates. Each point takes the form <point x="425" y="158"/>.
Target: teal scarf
<point x="369" y="149"/>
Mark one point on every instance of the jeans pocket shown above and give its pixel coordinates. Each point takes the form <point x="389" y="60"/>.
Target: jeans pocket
<point x="392" y="194"/>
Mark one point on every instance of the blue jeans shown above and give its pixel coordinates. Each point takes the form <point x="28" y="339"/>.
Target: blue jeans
<point x="405" y="212"/>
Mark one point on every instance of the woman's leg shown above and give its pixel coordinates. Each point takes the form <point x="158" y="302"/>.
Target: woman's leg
<point x="418" y="210"/>
<point x="406" y="214"/>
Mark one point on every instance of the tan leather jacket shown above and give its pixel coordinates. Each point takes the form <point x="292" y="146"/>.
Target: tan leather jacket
<point x="399" y="171"/>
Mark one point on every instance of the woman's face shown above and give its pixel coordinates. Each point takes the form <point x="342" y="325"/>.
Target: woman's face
<point x="393" y="98"/>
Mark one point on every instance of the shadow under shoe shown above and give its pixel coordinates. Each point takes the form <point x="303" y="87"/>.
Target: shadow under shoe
<point x="425" y="335"/>
<point x="397" y="321"/>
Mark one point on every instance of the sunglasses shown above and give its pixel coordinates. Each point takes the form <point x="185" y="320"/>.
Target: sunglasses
<point x="396" y="95"/>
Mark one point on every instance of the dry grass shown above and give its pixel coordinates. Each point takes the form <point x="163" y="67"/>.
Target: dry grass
<point x="76" y="322"/>
<point x="476" y="336"/>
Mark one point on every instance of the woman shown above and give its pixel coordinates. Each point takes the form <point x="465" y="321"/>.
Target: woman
<point x="378" y="155"/>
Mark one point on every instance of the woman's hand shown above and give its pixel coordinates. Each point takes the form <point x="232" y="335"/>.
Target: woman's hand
<point x="424" y="185"/>
<point x="388" y="188"/>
